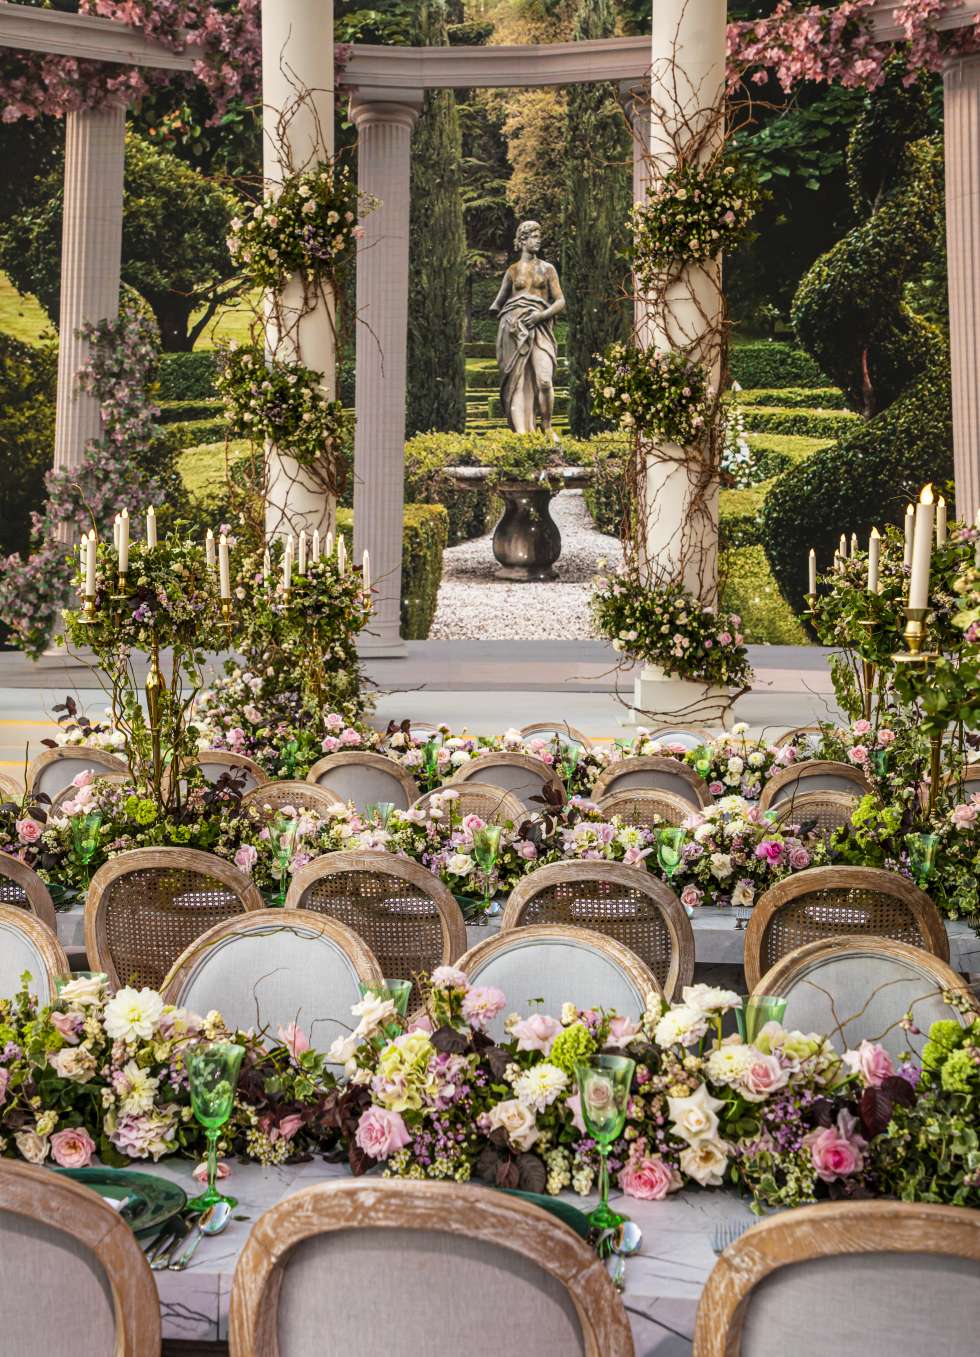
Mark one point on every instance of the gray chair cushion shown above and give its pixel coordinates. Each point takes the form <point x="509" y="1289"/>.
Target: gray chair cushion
<point x="364" y="786"/>
<point x="17" y="955"/>
<point x="655" y="779"/>
<point x="54" y="1296"/>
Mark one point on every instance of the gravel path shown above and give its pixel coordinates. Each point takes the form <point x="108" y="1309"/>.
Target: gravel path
<point x="474" y="606"/>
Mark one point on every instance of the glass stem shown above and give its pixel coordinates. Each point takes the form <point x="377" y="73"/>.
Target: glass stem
<point x="603" y="1176"/>
<point x="212" y="1161"/>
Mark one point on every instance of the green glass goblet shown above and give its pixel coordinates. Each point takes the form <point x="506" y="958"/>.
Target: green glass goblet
<point x="604" y="1084"/>
<point x="397" y="991"/>
<point x="670" y="842"/>
<point x="922" y="856"/>
<point x="212" y="1075"/>
<point x="85" y="838"/>
<point x="486" y="850"/>
<point x="755" y="1011"/>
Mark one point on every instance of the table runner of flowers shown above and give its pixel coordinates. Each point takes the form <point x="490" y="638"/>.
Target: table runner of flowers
<point x="785" y="1120"/>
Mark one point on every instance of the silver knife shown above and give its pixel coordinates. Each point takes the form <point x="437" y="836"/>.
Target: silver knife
<point x="162" y="1256"/>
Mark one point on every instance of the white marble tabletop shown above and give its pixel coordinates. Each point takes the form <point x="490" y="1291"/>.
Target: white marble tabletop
<point x="663" y="1280"/>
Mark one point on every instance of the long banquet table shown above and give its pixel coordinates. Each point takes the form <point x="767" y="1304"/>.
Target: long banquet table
<point x="663" y="1280"/>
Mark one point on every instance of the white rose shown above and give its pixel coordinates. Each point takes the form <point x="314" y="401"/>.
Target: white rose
<point x="460" y="864"/>
<point x="709" y="998"/>
<point x="33" y="1147"/>
<point x="517" y="1121"/>
<point x="83" y="992"/>
<point x="705" y="1162"/>
<point x="743" y="895"/>
<point x="342" y="1050"/>
<point x="695" y="1117"/>
<point x="721" y="866"/>
<point x="74" y="1063"/>
<point x="133" y="1014"/>
<point x="373" y="1012"/>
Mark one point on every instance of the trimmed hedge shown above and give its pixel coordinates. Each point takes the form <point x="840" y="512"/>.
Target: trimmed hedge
<point x="794" y="397"/>
<point x="424" y="533"/>
<point x="187" y="376"/>
<point x="750" y="591"/>
<point x="174" y="412"/>
<point x="810" y="423"/>
<point x="192" y="432"/>
<point x="740" y="515"/>
<point x="770" y="363"/>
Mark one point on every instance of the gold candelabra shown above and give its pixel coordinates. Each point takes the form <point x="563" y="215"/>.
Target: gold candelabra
<point x="914" y="636"/>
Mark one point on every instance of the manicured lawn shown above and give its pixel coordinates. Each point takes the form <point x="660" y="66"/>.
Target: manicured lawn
<point x="21" y="316"/>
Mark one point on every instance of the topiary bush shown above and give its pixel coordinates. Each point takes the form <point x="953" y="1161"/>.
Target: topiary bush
<point x="892" y="365"/>
<point x="770" y="363"/>
<point x="794" y="397"/>
<point x="809" y="423"/>
<point x="749" y="590"/>
<point x="28" y="374"/>
<point x="740" y="515"/>
<point x="424" y="532"/>
<point x="187" y="376"/>
<point x="175" y="412"/>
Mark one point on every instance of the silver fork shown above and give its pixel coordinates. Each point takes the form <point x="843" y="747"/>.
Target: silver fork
<point x="728" y="1232"/>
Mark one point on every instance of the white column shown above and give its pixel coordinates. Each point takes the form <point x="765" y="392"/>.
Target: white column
<point x="637" y="104"/>
<point x="91" y="244"/>
<point x="298" y="131"/>
<point x="384" y="143"/>
<point x="961" y="83"/>
<point x="687" y="80"/>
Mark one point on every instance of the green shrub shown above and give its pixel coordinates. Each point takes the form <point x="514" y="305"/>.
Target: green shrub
<point x="788" y="448"/>
<point x="191" y="432"/>
<point x="750" y="591"/>
<point x="27" y="383"/>
<point x="187" y="376"/>
<point x="468" y="511"/>
<point x="740" y="516"/>
<point x="175" y="412"/>
<point x="811" y="423"/>
<point x="769" y="363"/>
<point x="795" y="397"/>
<point x="424" y="534"/>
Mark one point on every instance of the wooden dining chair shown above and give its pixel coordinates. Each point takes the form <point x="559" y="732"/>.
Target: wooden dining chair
<point x="652" y="772"/>
<point x="403" y="912"/>
<point x="500" y="1270"/>
<point x="792" y="736"/>
<point x="271" y="797"/>
<point x="547" y="965"/>
<point x="860" y="988"/>
<point x="522" y="774"/>
<point x="270" y="967"/>
<point x="22" y="888"/>
<point x="27" y="944"/>
<point x="492" y="804"/>
<point x="67" y="794"/>
<point x="213" y="763"/>
<point x="550" y="730"/>
<point x="690" y="736"/>
<point x="826" y="902"/>
<point x="365" y="778"/>
<point x="54" y="769"/>
<point x="10" y="790"/>
<point x="74" y="1278"/>
<point x="146" y="906"/>
<point x="621" y="902"/>
<point x="814" y="775"/>
<point x="965" y="784"/>
<point x="819" y="1280"/>
<point x="647" y="808"/>
<point x="825" y="811"/>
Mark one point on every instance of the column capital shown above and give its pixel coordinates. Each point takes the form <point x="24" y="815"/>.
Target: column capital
<point x="368" y="107"/>
<point x="963" y="66"/>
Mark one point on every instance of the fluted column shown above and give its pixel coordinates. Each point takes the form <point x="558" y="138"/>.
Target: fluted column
<point x="91" y="243"/>
<point x="961" y="83"/>
<point x="384" y="142"/>
<point x="637" y="104"/>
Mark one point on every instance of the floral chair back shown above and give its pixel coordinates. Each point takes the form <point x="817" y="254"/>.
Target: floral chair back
<point x="522" y="774"/>
<point x="493" y="805"/>
<point x="366" y="779"/>
<point x="816" y="775"/>
<point x="827" y="902"/>
<point x="403" y="912"/>
<point x="146" y="906"/>
<point x="26" y="944"/>
<point x="646" y="807"/>
<point x="89" y="1288"/>
<point x="22" y="888"/>
<point x="653" y="772"/>
<point x="53" y="770"/>
<point x="548" y="965"/>
<point x="621" y="902"/>
<point x="271" y="969"/>
<point x="825" y="811"/>
<point x="311" y="1263"/>
<point x="273" y="796"/>
<point x="860" y="989"/>
<point x="818" y="1278"/>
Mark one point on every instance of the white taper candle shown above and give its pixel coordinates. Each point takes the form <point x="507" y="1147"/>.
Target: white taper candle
<point x="224" y="570"/>
<point x="909" y="533"/>
<point x="812" y="562"/>
<point x="315" y="553"/>
<point x="941" y="528"/>
<point x="123" y="545"/>
<point x="209" y="548"/>
<point x="341" y="555"/>
<point x="301" y="561"/>
<point x="151" y="526"/>
<point x="90" y="565"/>
<point x="874" y="558"/>
<point x="922" y="551"/>
<point x="366" y="569"/>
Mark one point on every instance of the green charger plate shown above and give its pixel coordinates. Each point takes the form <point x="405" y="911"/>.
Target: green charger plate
<point x="153" y="1202"/>
<point x="567" y="1213"/>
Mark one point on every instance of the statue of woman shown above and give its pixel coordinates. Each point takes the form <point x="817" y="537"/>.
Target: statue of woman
<point x="530" y="297"/>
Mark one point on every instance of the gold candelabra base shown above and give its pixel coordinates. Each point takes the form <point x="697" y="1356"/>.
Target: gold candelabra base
<point x="88" y="617"/>
<point x="914" y="636"/>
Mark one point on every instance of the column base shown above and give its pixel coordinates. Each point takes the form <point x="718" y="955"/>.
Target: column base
<point x="381" y="648"/>
<point x="659" y="698"/>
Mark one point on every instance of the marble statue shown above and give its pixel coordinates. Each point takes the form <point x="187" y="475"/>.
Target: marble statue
<point x="530" y="297"/>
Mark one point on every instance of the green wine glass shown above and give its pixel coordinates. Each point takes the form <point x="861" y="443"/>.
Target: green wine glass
<point x="670" y="842"/>
<point x="755" y="1011"/>
<point x="212" y="1076"/>
<point x="486" y="850"/>
<point x="604" y="1084"/>
<point x="922" y="856"/>
<point x="85" y="839"/>
<point x="397" y="991"/>
<point x="285" y="832"/>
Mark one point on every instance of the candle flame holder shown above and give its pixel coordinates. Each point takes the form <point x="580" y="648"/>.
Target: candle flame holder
<point x="88" y="617"/>
<point x="226" y="619"/>
<point x="914" y="637"/>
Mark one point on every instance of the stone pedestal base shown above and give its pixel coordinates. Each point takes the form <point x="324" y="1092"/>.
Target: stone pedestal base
<point x="659" y="698"/>
<point x="526" y="541"/>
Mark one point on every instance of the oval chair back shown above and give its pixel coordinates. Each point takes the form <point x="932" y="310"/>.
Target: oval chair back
<point x="403" y="912"/>
<point x="492" y="804"/>
<point x="213" y="763"/>
<point x="814" y="775"/>
<point x="691" y="737"/>
<point x="55" y="768"/>
<point x="146" y="906"/>
<point x="652" y="772"/>
<point x="273" y="796"/>
<point x="522" y="774"/>
<point x="272" y="967"/>
<point x="549" y="730"/>
<point x="69" y="793"/>
<point x="860" y="988"/>
<point x="76" y="1279"/>
<point x="646" y="808"/>
<point x="793" y="736"/>
<point x="542" y="966"/>
<point x="26" y="944"/>
<point x="22" y="888"/>
<point x="815" y="1280"/>
<point x="621" y="902"/>
<point x="824" y="902"/>
<point x="311" y="1262"/>
<point x="10" y="790"/>
<point x="366" y="779"/>
<point x="825" y="811"/>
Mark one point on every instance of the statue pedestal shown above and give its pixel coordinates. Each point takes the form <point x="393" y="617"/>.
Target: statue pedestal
<point x="660" y="698"/>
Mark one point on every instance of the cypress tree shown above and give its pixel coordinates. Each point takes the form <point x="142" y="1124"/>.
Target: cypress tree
<point x="597" y="197"/>
<point x="436" y="394"/>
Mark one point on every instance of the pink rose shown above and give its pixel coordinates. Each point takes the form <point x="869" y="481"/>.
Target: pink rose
<point x="536" y="1033"/>
<point x="294" y="1038"/>
<point x="725" y="638"/>
<point x="380" y="1132"/>
<point x="421" y="1024"/>
<point x="716" y="788"/>
<point x="83" y="778"/>
<point x="72" y="1149"/>
<point x="200" y="1174"/>
<point x="574" y="1105"/>
<point x="4" y="1080"/>
<point x="964" y="816"/>
<point x="527" y="850"/>
<point x="799" y="859"/>
<point x="481" y="1005"/>
<point x="691" y="897"/>
<point x="621" y="1031"/>
<point x="330" y="744"/>
<point x="288" y="1127"/>
<point x="858" y="755"/>
<point x="350" y="737"/>
<point x="885" y="738"/>
<point x="764" y="1076"/>
<point x="871" y="1061"/>
<point x="28" y="830"/>
<point x="649" y="1178"/>
<point x="836" y="1151"/>
<point x="67" y="1025"/>
<point x="334" y="722"/>
<point x="861" y="727"/>
<point x="769" y="851"/>
<point x="246" y="857"/>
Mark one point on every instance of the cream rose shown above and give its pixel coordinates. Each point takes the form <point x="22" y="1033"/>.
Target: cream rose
<point x="33" y="1147"/>
<point x="695" y="1117"/>
<point x="73" y="1062"/>
<point x="516" y="1121"/>
<point x="705" y="1162"/>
